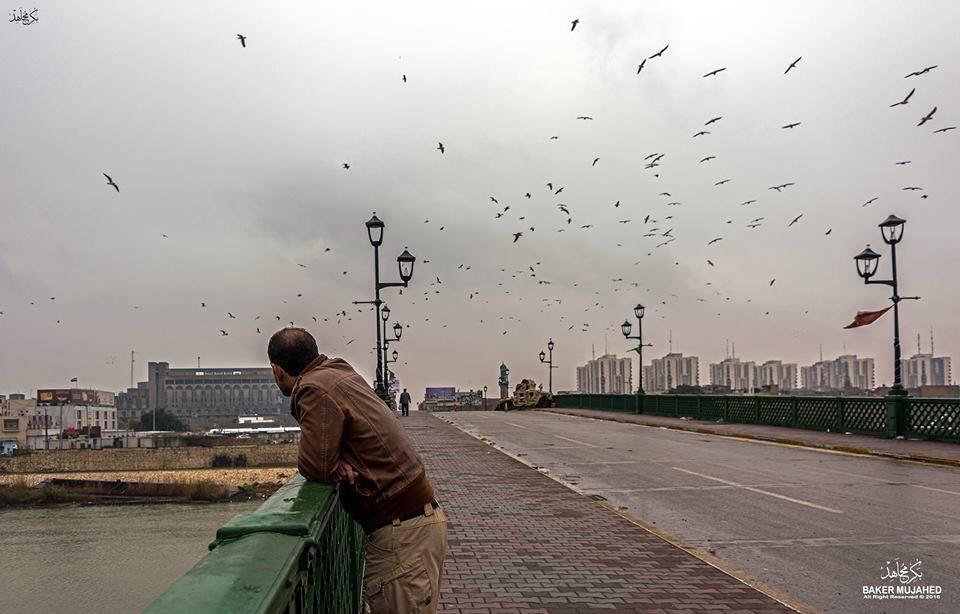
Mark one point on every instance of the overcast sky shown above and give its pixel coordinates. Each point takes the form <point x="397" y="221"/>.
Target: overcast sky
<point x="236" y="155"/>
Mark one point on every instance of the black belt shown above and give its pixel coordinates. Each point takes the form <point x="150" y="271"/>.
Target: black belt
<point x="420" y="512"/>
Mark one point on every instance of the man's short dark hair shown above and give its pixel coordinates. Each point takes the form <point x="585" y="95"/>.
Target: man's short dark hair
<point x="292" y="349"/>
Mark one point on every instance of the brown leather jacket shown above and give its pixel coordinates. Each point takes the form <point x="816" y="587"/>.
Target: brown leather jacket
<point x="341" y="417"/>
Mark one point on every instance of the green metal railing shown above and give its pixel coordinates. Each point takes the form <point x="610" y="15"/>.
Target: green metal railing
<point x="889" y="416"/>
<point x="299" y="552"/>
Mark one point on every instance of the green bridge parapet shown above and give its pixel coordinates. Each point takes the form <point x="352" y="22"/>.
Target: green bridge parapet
<point x="889" y="416"/>
<point x="298" y="552"/>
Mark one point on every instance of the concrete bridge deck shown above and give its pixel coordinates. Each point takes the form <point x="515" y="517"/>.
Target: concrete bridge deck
<point x="521" y="542"/>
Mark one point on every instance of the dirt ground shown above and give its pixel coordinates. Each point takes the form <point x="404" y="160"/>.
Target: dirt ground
<point x="227" y="477"/>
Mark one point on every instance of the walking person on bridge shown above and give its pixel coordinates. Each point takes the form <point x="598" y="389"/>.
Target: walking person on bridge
<point x="349" y="437"/>
<point x="405" y="403"/>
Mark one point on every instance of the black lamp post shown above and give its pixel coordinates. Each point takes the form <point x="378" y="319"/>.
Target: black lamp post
<point x="626" y="327"/>
<point x="397" y="332"/>
<point x="405" y="262"/>
<point x="891" y="229"/>
<point x="549" y="363"/>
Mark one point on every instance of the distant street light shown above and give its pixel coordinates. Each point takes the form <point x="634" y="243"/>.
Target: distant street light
<point x="549" y="363"/>
<point x="405" y="262"/>
<point x="625" y="328"/>
<point x="891" y="229"/>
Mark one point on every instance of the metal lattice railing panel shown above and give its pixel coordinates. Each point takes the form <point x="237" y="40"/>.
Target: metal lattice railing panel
<point x="712" y="408"/>
<point x="742" y="409"/>
<point x="933" y="419"/>
<point x="863" y="415"/>
<point x="775" y="411"/>
<point x="817" y="413"/>
<point x="687" y="406"/>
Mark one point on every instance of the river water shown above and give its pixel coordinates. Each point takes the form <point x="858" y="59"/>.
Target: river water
<point x="101" y="559"/>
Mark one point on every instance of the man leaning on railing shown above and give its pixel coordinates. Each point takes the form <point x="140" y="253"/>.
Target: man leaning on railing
<point x="349" y="437"/>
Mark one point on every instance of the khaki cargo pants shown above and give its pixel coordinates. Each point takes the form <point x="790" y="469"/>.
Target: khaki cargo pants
<point x="404" y="561"/>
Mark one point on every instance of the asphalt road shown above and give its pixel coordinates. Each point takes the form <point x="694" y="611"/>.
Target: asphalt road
<point x="815" y="525"/>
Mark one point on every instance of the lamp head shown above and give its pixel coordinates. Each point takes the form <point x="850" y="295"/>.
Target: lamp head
<point x="626" y="327"/>
<point x="397" y="330"/>
<point x="638" y="311"/>
<point x="542" y="356"/>
<point x="867" y="262"/>
<point x="375" y="230"/>
<point x="892" y="229"/>
<point x="405" y="261"/>
<point x="385" y="312"/>
<point x="550" y="345"/>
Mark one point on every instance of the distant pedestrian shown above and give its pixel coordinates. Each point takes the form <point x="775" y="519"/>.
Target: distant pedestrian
<point x="348" y="436"/>
<point x="405" y="403"/>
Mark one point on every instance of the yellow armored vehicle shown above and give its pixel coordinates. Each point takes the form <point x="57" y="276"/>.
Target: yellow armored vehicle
<point x="527" y="396"/>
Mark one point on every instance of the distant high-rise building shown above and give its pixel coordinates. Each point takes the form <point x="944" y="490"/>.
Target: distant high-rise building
<point x="843" y="373"/>
<point x="925" y="370"/>
<point x="777" y="373"/>
<point x="606" y="375"/>
<point x="736" y="375"/>
<point x="674" y="369"/>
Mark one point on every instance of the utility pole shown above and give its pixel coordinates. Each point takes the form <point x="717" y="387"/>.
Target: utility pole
<point x="132" y="360"/>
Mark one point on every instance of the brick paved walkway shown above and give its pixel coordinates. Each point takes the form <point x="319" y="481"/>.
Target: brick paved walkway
<point x="917" y="449"/>
<point x="520" y="542"/>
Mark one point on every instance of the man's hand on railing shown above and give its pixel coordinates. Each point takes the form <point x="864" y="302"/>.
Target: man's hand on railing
<point x="345" y="473"/>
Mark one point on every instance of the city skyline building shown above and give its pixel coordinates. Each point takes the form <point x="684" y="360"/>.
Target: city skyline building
<point x="607" y="374"/>
<point x="843" y="373"/>
<point x="672" y="370"/>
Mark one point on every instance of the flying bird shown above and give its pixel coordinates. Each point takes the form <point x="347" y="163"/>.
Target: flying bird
<point x="792" y="65"/>
<point x="658" y="54"/>
<point x="795" y="220"/>
<point x="640" y="65"/>
<point x="701" y="133"/>
<point x="243" y="40"/>
<point x="573" y="24"/>
<point x="714" y="72"/>
<point x="869" y="201"/>
<point x="828" y="231"/>
<point x="595" y="160"/>
<point x="793" y="125"/>
<point x="928" y="116"/>
<point x="223" y="333"/>
<point x="110" y="182"/>
<point x="616" y="204"/>
<point x="748" y="202"/>
<point x="773" y="280"/>
<point x="301" y="265"/>
<point x="912" y="188"/>
<point x="905" y="100"/>
<point x="710" y="263"/>
<point x="721" y="182"/>
<point x="232" y="317"/>
<point x="560" y="189"/>
<point x="404" y="78"/>
<point x="945" y="129"/>
<point x="714" y="120"/>
<point x="921" y="72"/>
<point x="346" y="166"/>
<point x="715" y="240"/>
<point x="707" y="159"/>
<point x="516" y="236"/>
<point x="440" y="147"/>
<point x="586" y="117"/>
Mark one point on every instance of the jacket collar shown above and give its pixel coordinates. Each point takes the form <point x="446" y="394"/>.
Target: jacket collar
<point x="316" y="363"/>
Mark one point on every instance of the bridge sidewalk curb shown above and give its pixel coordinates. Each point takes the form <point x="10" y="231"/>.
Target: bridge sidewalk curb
<point x="779" y="596"/>
<point x="697" y="427"/>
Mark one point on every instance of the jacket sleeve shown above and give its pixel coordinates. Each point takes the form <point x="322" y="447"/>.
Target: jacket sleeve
<point x="321" y="429"/>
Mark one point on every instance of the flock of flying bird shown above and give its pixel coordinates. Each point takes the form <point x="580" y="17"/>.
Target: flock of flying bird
<point x="661" y="230"/>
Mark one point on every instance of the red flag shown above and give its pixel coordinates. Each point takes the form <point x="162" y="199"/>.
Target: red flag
<point x="866" y="317"/>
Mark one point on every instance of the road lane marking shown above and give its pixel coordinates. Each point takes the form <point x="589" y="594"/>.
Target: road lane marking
<point x="582" y="443"/>
<point x="554" y="448"/>
<point x="949" y="492"/>
<point x="629" y="462"/>
<point x="762" y="492"/>
<point x="516" y="425"/>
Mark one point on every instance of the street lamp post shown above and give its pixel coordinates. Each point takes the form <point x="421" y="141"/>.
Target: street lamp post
<point x="549" y="363"/>
<point x="891" y="229"/>
<point x="626" y="327"/>
<point x="405" y="262"/>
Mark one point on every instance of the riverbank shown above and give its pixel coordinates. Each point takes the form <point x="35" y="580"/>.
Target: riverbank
<point x="178" y="486"/>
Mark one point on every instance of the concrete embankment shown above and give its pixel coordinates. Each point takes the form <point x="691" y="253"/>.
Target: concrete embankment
<point x="146" y="459"/>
